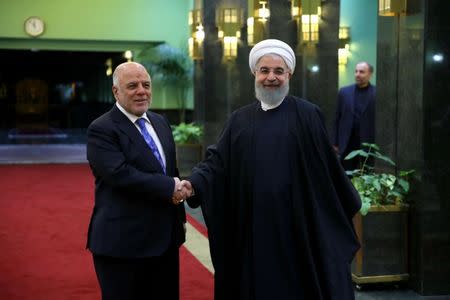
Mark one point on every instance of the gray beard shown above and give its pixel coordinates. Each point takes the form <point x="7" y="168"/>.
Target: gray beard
<point x="271" y="97"/>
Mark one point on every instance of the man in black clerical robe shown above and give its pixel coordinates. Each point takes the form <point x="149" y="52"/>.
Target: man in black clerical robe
<point x="276" y="201"/>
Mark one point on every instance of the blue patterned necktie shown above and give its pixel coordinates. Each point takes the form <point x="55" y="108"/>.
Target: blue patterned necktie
<point x="150" y="142"/>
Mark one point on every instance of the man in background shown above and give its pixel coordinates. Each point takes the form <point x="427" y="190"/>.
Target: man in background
<point x="354" y="122"/>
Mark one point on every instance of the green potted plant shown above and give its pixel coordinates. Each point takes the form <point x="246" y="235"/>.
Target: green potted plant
<point x="171" y="68"/>
<point x="378" y="188"/>
<point x="188" y="138"/>
<point x="189" y="133"/>
<point x="382" y="223"/>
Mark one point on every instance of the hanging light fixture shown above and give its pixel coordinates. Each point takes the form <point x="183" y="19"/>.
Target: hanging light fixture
<point x="391" y="7"/>
<point x="195" y="41"/>
<point x="229" y="21"/>
<point x="263" y="11"/>
<point x="307" y="14"/>
<point x="230" y="46"/>
<point x="259" y="14"/>
<point x="344" y="46"/>
<point x="310" y="28"/>
<point x="295" y="9"/>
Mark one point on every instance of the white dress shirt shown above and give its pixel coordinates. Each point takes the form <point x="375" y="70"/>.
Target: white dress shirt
<point x="148" y="125"/>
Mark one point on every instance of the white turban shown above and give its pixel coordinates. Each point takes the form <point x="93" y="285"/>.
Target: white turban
<point x="272" y="46"/>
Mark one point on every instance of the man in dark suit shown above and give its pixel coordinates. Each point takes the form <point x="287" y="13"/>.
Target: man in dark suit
<point x="355" y="116"/>
<point x="137" y="225"/>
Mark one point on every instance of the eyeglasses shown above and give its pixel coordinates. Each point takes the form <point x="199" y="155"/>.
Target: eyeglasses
<point x="276" y="71"/>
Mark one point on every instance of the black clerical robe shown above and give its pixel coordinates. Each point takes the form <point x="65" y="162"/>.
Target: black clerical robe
<point x="278" y="207"/>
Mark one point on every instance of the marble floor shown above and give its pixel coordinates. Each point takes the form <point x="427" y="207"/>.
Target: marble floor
<point x="367" y="292"/>
<point x="42" y="153"/>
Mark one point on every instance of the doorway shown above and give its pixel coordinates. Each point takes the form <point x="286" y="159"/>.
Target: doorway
<point x="52" y="96"/>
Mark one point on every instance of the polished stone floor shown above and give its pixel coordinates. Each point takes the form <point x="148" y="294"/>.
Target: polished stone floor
<point x="366" y="292"/>
<point x="42" y="153"/>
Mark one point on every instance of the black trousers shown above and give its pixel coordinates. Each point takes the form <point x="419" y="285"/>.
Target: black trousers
<point x="139" y="278"/>
<point x="354" y="143"/>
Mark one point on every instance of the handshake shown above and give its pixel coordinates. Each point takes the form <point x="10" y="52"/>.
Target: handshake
<point x="183" y="189"/>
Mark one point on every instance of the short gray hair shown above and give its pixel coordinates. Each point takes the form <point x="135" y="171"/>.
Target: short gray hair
<point x="368" y="65"/>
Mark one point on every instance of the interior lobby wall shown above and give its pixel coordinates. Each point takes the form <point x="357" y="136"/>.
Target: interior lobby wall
<point x="95" y="20"/>
<point x="99" y="26"/>
<point x="361" y="17"/>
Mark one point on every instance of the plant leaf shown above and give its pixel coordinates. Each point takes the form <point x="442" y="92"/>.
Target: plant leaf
<point x="377" y="188"/>
<point x="404" y="184"/>
<point x="369" y="145"/>
<point x="356" y="153"/>
<point x="382" y="157"/>
<point x="187" y="133"/>
<point x="365" y="206"/>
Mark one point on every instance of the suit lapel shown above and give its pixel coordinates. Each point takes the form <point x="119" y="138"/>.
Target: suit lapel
<point x="128" y="128"/>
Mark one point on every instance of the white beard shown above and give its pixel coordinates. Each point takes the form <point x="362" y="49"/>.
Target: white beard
<point x="271" y="97"/>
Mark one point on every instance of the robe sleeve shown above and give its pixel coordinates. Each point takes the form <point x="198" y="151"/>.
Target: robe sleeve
<point x="208" y="177"/>
<point x="210" y="182"/>
<point x="347" y="194"/>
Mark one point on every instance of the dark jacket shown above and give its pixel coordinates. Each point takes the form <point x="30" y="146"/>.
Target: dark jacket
<point x="133" y="215"/>
<point x="343" y="122"/>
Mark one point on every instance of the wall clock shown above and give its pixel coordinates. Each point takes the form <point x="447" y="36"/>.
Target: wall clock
<point x="34" y="26"/>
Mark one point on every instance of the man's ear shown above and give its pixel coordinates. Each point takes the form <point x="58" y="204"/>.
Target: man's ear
<point x="114" y="91"/>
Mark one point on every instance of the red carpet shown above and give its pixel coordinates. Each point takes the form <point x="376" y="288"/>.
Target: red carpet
<point x="44" y="213"/>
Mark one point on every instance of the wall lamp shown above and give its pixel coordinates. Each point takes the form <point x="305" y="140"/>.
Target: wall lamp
<point x="128" y="55"/>
<point x="344" y="46"/>
<point x="197" y="33"/>
<point x="108" y="64"/>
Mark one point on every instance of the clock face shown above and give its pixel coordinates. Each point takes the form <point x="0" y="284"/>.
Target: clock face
<point x="34" y="26"/>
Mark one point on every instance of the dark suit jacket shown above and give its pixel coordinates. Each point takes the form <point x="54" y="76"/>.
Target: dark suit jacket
<point x="343" y="122"/>
<point x="133" y="214"/>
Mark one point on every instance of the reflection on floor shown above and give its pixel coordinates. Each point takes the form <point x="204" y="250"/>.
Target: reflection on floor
<point x="42" y="136"/>
<point x="42" y="153"/>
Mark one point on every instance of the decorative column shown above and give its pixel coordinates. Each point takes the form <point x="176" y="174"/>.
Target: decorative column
<point x="413" y="113"/>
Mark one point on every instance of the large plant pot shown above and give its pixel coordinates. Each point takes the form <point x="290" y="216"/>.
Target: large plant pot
<point x="188" y="155"/>
<point x="383" y="234"/>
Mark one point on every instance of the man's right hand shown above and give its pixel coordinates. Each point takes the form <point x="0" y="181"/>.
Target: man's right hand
<point x="188" y="188"/>
<point x="182" y="190"/>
